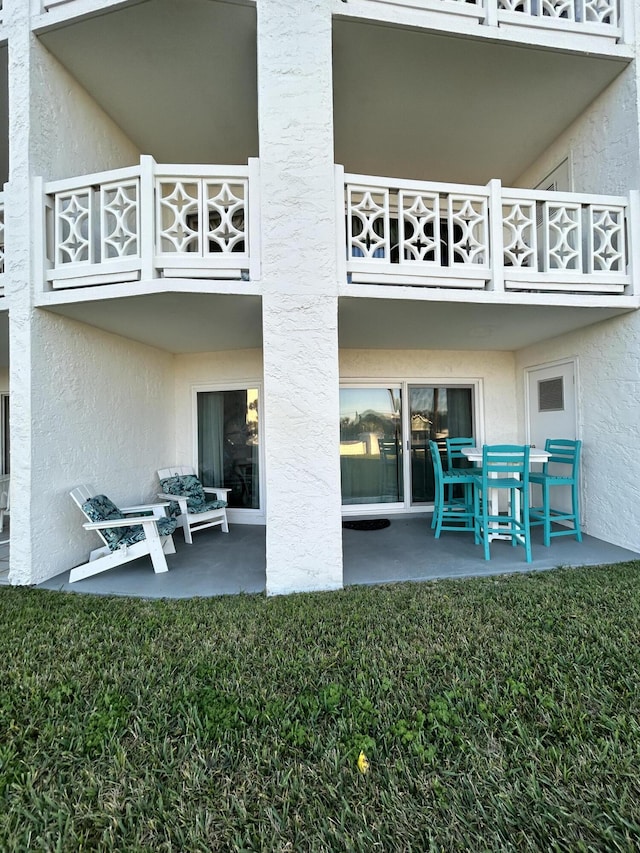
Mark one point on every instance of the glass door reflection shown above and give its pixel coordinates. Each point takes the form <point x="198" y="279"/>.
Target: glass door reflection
<point x="371" y="458"/>
<point x="436" y="413"/>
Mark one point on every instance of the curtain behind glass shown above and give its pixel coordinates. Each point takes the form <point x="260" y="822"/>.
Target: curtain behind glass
<point x="459" y="419"/>
<point x="211" y="438"/>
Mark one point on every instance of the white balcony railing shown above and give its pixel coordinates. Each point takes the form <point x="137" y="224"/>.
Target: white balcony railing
<point x="590" y="17"/>
<point x="1" y="244"/>
<point x="489" y="238"/>
<point x="148" y="221"/>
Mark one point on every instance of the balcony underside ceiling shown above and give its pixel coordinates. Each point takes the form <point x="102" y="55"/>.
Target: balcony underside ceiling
<point x="199" y="322"/>
<point x="181" y="80"/>
<point x="403" y="324"/>
<point x="176" y="322"/>
<point x="450" y="108"/>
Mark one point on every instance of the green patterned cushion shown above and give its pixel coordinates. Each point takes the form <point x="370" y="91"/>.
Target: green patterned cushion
<point x="187" y="486"/>
<point x="209" y="505"/>
<point x="101" y="508"/>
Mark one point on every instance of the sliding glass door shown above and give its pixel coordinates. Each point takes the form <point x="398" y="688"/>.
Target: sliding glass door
<point x="384" y="439"/>
<point x="436" y="413"/>
<point x="371" y="459"/>
<point x="229" y="444"/>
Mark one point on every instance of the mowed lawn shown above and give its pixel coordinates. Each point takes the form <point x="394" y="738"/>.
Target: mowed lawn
<point x="496" y="714"/>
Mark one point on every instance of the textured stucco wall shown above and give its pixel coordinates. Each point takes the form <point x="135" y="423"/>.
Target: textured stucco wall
<point x="217" y="368"/>
<point x="608" y="421"/>
<point x="602" y="144"/>
<point x="64" y="417"/>
<point x="496" y="370"/>
<point x="74" y="135"/>
<point x="299" y="280"/>
<point x="102" y="412"/>
<point x="604" y="150"/>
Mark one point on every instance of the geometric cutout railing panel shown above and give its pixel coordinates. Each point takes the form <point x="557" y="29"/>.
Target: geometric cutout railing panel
<point x="227" y="216"/>
<point x="416" y="226"/>
<point x="204" y="216"/>
<point x="419" y="226"/>
<point x="468" y="232"/>
<point x="574" y="11"/>
<point x="73" y="227"/>
<point x="606" y="245"/>
<point x="560" y="9"/>
<point x="119" y="218"/>
<point x="523" y="6"/>
<point x="601" y="12"/>
<point x="562" y="236"/>
<point x="519" y="234"/>
<point x="368" y="223"/>
<point x="179" y="212"/>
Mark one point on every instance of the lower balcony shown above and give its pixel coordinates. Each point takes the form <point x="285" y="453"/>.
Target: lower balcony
<point x="505" y="244"/>
<point x="221" y="564"/>
<point x="150" y="221"/>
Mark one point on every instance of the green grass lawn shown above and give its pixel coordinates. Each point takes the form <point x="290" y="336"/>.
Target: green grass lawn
<point x="497" y="714"/>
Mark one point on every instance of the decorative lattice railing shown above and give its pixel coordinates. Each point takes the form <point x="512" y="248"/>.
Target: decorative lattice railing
<point x="589" y="17"/>
<point x="148" y="221"/>
<point x="491" y="238"/>
<point x="575" y="14"/>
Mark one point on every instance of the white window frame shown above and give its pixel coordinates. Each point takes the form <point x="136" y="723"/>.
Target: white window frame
<point x="405" y="506"/>
<point x="236" y="515"/>
<point x="5" y="433"/>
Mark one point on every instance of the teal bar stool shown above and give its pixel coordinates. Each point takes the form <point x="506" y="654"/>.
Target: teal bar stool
<point x="565" y="453"/>
<point x="455" y="457"/>
<point x="505" y="468"/>
<point x="454" y="452"/>
<point x="451" y="514"/>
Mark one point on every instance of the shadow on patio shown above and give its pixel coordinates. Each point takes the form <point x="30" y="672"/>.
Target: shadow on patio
<point x="220" y="564"/>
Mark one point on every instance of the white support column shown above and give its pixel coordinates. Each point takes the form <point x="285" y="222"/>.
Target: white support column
<point x="341" y="218"/>
<point x="21" y="220"/>
<point x="496" y="239"/>
<point x="255" y="244"/>
<point x="633" y="238"/>
<point x="491" y="13"/>
<point x="147" y="213"/>
<point x="299" y="275"/>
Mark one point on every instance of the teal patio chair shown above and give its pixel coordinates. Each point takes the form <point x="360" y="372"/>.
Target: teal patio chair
<point x="454" y="451"/>
<point x="561" y="469"/>
<point x="505" y="468"/>
<point x="449" y="514"/>
<point x="456" y="460"/>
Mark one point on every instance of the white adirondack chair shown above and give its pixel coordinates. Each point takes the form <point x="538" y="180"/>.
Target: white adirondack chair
<point x="5" y="498"/>
<point x="101" y="559"/>
<point x="194" y="521"/>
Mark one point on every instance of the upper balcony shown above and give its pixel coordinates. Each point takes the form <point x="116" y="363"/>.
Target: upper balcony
<point x="151" y="221"/>
<point x="488" y="243"/>
<point x="590" y="25"/>
<point x="501" y="244"/>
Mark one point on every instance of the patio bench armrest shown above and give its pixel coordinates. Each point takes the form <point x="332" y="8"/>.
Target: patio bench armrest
<point x="158" y="509"/>
<point x="148" y="521"/>
<point x="179" y="499"/>
<point x="220" y="493"/>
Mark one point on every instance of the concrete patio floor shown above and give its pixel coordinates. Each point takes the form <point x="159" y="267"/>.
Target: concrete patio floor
<point x="221" y="564"/>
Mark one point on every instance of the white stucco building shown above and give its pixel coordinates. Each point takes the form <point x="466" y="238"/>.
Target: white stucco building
<point x="289" y="240"/>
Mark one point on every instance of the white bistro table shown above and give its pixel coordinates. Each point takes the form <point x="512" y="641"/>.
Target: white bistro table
<point x="474" y="454"/>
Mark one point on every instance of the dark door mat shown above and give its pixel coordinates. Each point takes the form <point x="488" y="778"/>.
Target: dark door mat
<point x="366" y="524"/>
